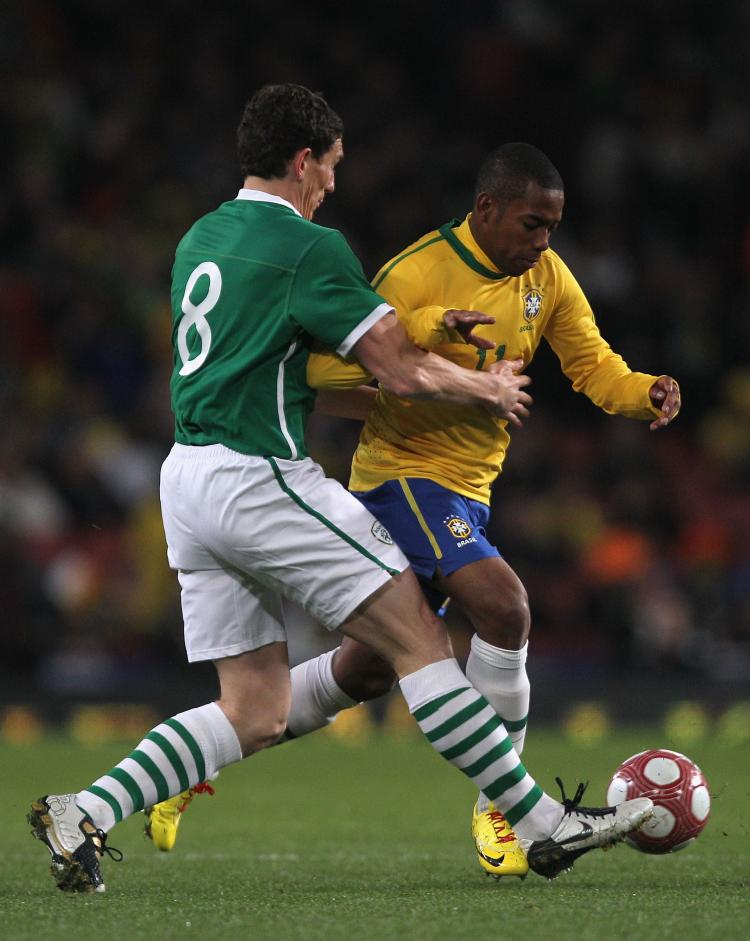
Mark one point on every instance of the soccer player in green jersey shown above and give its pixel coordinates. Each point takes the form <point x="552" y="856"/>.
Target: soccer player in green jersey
<point x="258" y="534"/>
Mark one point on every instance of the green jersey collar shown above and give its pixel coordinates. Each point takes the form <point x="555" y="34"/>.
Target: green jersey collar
<point x="463" y="252"/>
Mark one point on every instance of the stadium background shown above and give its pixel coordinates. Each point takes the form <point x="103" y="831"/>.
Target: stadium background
<point x="118" y="125"/>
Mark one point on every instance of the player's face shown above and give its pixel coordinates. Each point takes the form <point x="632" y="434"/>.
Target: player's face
<point x="319" y="178"/>
<point x="515" y="236"/>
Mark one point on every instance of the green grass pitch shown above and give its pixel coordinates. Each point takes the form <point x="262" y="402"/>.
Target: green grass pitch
<point x="326" y="839"/>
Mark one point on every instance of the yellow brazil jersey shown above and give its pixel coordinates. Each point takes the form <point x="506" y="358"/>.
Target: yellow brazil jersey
<point x="463" y="447"/>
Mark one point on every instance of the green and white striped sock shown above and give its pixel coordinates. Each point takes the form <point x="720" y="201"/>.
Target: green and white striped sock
<point x="181" y="752"/>
<point x="460" y="724"/>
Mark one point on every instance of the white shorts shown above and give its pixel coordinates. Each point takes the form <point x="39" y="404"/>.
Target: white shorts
<point x="256" y="540"/>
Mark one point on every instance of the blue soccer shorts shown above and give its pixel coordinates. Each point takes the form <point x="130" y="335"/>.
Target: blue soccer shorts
<point x="434" y="527"/>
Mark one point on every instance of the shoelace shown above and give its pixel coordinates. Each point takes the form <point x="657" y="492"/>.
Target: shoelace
<point x="497" y="818"/>
<point x="114" y="854"/>
<point x="204" y="787"/>
<point x="574" y="803"/>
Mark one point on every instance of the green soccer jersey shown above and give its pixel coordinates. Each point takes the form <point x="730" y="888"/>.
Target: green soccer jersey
<point x="253" y="284"/>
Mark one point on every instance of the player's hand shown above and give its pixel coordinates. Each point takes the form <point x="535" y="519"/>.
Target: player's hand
<point x="665" y="395"/>
<point x="464" y="321"/>
<point x="511" y="402"/>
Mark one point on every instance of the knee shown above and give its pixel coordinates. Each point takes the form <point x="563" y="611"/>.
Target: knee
<point x="263" y="734"/>
<point x="502" y="617"/>
<point x="516" y="612"/>
<point x="378" y="679"/>
<point x="255" y="732"/>
<point x="267" y="733"/>
<point x="361" y="673"/>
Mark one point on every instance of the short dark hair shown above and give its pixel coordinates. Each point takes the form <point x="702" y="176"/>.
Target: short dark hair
<point x="278" y="121"/>
<point x="508" y="170"/>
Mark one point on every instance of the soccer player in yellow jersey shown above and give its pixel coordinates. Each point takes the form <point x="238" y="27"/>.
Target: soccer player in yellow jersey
<point x="425" y="470"/>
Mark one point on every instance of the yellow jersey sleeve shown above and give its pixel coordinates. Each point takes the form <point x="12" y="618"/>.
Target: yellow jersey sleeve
<point x="327" y="370"/>
<point x="588" y="360"/>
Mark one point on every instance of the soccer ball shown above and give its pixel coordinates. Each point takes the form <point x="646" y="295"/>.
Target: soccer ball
<point x="679" y="790"/>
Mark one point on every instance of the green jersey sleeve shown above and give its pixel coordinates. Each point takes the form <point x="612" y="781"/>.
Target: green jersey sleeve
<point x="330" y="297"/>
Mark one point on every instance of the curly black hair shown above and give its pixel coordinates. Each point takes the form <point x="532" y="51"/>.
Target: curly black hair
<point x="278" y="121"/>
<point x="508" y="170"/>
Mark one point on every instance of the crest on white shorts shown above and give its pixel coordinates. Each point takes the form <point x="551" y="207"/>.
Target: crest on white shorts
<point x="380" y="532"/>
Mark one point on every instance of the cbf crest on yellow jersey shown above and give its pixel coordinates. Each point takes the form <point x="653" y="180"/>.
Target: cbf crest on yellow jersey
<point x="532" y="304"/>
<point x="463" y="447"/>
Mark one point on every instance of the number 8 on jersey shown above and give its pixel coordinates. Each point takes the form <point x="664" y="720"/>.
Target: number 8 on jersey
<point x="195" y="316"/>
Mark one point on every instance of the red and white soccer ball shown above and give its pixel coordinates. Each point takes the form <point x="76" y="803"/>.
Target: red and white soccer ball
<point x="679" y="790"/>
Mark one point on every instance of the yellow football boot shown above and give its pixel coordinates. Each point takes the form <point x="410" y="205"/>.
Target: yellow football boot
<point x="162" y="820"/>
<point x="498" y="850"/>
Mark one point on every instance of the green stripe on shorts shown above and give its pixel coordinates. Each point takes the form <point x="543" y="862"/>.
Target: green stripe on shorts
<point x="326" y="522"/>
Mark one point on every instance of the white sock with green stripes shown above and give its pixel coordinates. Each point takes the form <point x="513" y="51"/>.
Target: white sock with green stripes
<point x="316" y="696"/>
<point x="460" y="724"/>
<point x="500" y="676"/>
<point x="181" y="752"/>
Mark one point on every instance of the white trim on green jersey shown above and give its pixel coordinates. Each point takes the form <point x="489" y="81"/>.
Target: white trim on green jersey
<point x="280" y="402"/>
<point x="261" y="197"/>
<point x="254" y="284"/>
<point x="347" y="344"/>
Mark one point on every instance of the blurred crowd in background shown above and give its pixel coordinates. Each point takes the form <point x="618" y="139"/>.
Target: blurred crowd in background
<point x="118" y="126"/>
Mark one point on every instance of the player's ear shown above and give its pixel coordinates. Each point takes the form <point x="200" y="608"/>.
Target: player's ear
<point x="299" y="162"/>
<point x="484" y="204"/>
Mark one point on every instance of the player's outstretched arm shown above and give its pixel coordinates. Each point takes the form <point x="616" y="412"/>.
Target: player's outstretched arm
<point x="406" y="370"/>
<point x="665" y="395"/>
<point x="427" y="327"/>
<point x="335" y="378"/>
